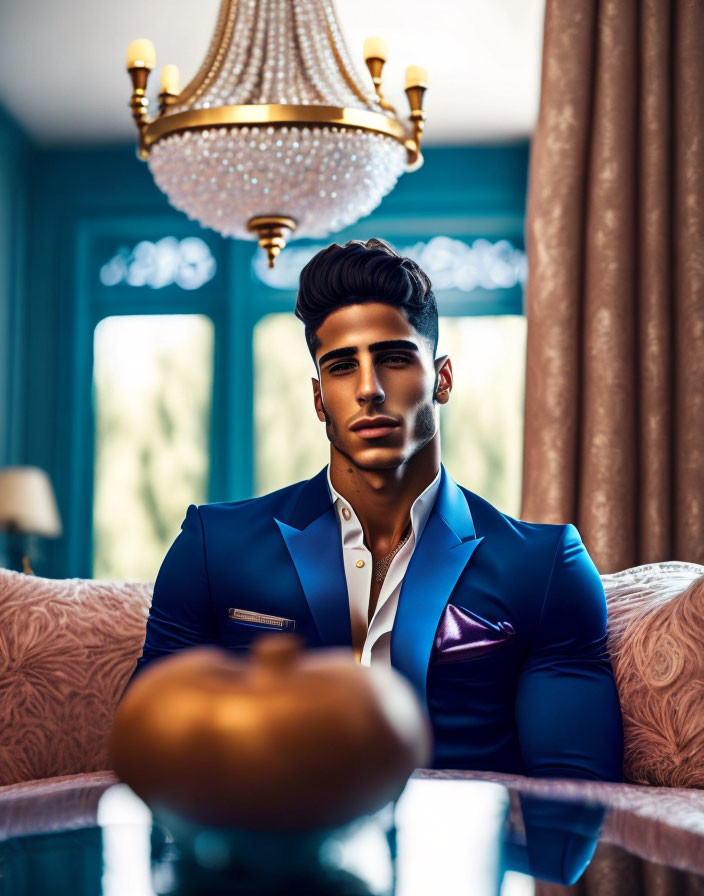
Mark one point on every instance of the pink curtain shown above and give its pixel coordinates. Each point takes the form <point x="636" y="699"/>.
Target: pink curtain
<point x="614" y="423"/>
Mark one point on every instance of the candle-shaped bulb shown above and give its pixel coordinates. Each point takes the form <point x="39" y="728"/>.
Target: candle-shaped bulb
<point x="375" y="48"/>
<point x="416" y="76"/>
<point x="141" y="54"/>
<point x="169" y="79"/>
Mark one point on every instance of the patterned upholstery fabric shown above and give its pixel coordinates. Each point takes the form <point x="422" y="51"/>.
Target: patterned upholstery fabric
<point x="67" y="649"/>
<point x="656" y="638"/>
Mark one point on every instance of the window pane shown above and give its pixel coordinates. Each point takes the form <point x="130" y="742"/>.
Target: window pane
<point x="152" y="391"/>
<point x="290" y="441"/>
<point x="482" y="425"/>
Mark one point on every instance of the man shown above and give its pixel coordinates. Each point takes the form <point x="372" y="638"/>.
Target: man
<point x="498" y="624"/>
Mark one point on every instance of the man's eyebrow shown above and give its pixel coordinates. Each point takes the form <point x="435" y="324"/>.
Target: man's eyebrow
<point x="393" y="343"/>
<point x="349" y="351"/>
<point x="337" y="353"/>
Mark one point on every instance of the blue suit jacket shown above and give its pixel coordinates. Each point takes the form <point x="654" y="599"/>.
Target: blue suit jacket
<point x="541" y="701"/>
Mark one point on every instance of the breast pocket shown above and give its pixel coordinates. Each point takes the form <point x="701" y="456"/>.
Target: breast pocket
<point x="240" y="635"/>
<point x="481" y="669"/>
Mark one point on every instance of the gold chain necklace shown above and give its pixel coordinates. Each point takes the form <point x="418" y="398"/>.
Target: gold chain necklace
<point x="381" y="567"/>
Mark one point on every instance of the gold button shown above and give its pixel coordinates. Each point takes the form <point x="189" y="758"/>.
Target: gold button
<point x="359" y="564"/>
<point x="345" y="513"/>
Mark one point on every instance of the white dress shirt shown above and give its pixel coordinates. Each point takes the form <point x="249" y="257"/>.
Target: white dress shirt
<point x="377" y="644"/>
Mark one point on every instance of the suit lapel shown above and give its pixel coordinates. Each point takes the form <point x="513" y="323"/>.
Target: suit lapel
<point x="312" y="537"/>
<point x="445" y="547"/>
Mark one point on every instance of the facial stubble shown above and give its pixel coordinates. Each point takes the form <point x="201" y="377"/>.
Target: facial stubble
<point x="424" y="428"/>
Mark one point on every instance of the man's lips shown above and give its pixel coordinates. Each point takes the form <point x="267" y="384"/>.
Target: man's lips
<point x="374" y="427"/>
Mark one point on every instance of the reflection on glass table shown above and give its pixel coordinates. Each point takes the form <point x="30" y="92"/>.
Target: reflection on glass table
<point x="450" y="833"/>
<point x="443" y="836"/>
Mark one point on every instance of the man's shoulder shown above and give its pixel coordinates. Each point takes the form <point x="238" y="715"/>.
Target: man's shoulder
<point x="535" y="560"/>
<point x="489" y="520"/>
<point x="275" y="503"/>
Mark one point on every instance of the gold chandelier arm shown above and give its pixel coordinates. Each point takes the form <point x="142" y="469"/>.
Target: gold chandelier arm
<point x="139" y="103"/>
<point x="376" y="65"/>
<point x="272" y="114"/>
<point x="415" y="93"/>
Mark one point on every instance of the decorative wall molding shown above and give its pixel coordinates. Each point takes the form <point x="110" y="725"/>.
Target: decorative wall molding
<point x="449" y="262"/>
<point x="454" y="264"/>
<point x="188" y="263"/>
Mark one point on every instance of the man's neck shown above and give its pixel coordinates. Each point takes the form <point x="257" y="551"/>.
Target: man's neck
<point x="382" y="498"/>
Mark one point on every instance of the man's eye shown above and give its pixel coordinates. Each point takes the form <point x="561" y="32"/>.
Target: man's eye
<point x="341" y="368"/>
<point x="395" y="359"/>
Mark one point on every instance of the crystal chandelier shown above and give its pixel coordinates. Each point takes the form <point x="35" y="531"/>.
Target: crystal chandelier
<point x="276" y="134"/>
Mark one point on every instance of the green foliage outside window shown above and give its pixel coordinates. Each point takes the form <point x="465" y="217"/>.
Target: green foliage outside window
<point x="152" y="387"/>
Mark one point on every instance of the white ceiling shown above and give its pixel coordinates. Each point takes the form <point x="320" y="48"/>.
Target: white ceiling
<point x="62" y="74"/>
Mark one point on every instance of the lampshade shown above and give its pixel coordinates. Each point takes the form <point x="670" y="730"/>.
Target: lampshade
<point x="27" y="502"/>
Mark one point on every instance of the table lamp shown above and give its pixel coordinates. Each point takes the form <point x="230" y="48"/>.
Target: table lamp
<point x="27" y="508"/>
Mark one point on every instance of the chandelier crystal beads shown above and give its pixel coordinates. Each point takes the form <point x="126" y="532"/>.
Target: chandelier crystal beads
<point x="276" y="134"/>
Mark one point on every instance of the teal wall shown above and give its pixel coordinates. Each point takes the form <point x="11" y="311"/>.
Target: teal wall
<point x="14" y="196"/>
<point x="63" y="212"/>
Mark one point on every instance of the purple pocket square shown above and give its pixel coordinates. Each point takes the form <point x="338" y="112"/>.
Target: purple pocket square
<point x="463" y="636"/>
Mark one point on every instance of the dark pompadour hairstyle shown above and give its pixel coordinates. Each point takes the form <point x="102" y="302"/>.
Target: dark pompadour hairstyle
<point x="364" y="272"/>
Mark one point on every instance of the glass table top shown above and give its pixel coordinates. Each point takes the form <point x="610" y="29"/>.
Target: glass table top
<point x="449" y="833"/>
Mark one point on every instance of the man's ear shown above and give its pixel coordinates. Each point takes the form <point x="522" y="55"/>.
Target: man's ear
<point x="443" y="379"/>
<point x="317" y="399"/>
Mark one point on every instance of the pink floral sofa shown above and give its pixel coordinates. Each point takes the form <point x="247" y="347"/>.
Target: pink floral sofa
<point x="68" y="647"/>
<point x="67" y="650"/>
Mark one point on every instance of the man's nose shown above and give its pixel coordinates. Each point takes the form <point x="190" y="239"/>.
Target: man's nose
<point x="368" y="386"/>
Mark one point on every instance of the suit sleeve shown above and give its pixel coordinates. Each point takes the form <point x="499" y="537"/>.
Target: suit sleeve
<point x="567" y="709"/>
<point x="181" y="614"/>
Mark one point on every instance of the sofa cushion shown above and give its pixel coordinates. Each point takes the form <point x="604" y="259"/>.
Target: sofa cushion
<point x="656" y="641"/>
<point x="67" y="649"/>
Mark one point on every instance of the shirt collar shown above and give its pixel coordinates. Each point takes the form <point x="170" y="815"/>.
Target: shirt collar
<point x="420" y="511"/>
